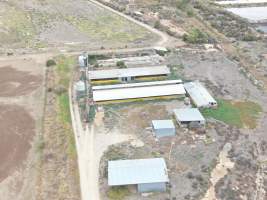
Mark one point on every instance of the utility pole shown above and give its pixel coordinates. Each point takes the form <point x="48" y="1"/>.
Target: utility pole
<point x="170" y="152"/>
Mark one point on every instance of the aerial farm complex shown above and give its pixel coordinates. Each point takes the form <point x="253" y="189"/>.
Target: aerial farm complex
<point x="120" y="84"/>
<point x="133" y="100"/>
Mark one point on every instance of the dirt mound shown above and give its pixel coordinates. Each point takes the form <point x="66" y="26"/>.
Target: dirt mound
<point x="17" y="83"/>
<point x="17" y="130"/>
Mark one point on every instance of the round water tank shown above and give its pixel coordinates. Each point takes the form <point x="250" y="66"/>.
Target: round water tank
<point x="80" y="86"/>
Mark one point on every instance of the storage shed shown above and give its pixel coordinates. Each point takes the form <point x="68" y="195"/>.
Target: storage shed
<point x="128" y="74"/>
<point x="189" y="115"/>
<point x="138" y="90"/>
<point x="199" y="95"/>
<point x="150" y="175"/>
<point x="163" y="128"/>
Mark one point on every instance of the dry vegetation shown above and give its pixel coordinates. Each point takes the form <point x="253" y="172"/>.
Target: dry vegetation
<point x="58" y="154"/>
<point x="41" y="25"/>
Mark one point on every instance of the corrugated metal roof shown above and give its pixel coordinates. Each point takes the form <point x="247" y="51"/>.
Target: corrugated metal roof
<point x="159" y="124"/>
<point x="199" y="94"/>
<point x="129" y="72"/>
<point x="130" y="85"/>
<point x="188" y="115"/>
<point x="138" y="92"/>
<point x="138" y="60"/>
<point x="128" y="172"/>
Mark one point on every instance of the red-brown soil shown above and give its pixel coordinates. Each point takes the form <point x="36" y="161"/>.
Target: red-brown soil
<point x="17" y="83"/>
<point x="17" y="129"/>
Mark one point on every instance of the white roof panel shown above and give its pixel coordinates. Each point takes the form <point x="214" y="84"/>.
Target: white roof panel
<point x="159" y="124"/>
<point x="138" y="92"/>
<point x="188" y="115"/>
<point x="139" y="171"/>
<point x="129" y="85"/>
<point x="128" y="72"/>
<point x="199" y="94"/>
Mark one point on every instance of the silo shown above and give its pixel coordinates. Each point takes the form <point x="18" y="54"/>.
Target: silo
<point x="80" y="89"/>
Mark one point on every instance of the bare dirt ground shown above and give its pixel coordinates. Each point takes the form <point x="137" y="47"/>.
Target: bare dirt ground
<point x="17" y="83"/>
<point x="17" y="132"/>
<point x="21" y="98"/>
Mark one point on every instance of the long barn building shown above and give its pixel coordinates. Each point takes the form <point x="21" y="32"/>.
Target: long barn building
<point x="138" y="90"/>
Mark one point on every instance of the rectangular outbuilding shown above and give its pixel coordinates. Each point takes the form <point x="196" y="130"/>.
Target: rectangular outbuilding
<point x="136" y="91"/>
<point x="163" y="128"/>
<point x="189" y="116"/>
<point x="128" y="74"/>
<point x="199" y="95"/>
<point x="150" y="175"/>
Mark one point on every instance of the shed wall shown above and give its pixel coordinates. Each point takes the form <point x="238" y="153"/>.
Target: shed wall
<point x="151" y="187"/>
<point x="164" y="132"/>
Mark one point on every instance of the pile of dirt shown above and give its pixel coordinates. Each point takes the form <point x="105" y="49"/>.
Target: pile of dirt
<point x="17" y="130"/>
<point x="17" y="83"/>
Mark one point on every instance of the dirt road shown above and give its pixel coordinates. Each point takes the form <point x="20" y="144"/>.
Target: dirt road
<point x="90" y="146"/>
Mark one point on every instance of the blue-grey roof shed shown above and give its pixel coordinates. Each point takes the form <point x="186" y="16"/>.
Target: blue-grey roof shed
<point x="148" y="174"/>
<point x="163" y="128"/>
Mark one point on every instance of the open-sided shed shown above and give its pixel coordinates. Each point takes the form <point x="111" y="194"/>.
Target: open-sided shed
<point x="189" y="115"/>
<point x="150" y="175"/>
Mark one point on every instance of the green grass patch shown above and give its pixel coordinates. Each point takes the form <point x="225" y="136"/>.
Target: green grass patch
<point x="64" y="69"/>
<point x="63" y="102"/>
<point x="118" y="193"/>
<point x="236" y="113"/>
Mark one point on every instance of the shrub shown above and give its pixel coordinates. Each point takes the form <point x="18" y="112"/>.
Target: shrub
<point x="50" y="62"/>
<point x="195" y="36"/>
<point x="190" y="13"/>
<point x="118" y="193"/>
<point x="182" y="4"/>
<point x="157" y="24"/>
<point x="121" y="64"/>
<point x="249" y="37"/>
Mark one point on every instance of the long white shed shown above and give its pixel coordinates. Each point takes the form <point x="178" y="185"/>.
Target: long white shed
<point x="138" y="92"/>
<point x="199" y="95"/>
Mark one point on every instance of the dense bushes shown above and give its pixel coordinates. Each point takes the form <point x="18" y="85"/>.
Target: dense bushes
<point x="50" y="62"/>
<point x="196" y="36"/>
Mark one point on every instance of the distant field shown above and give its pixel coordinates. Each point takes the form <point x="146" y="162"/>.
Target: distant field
<point x="52" y="23"/>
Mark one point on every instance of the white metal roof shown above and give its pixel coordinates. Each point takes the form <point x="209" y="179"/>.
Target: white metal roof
<point x="128" y="72"/>
<point x="188" y="115"/>
<point x="138" y="92"/>
<point x="160" y="124"/>
<point x="128" y="172"/>
<point x="137" y="60"/>
<point x="129" y="85"/>
<point x="199" y="94"/>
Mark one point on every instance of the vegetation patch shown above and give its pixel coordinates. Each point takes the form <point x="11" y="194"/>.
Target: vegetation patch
<point x="236" y="113"/>
<point x="196" y="36"/>
<point x="109" y="27"/>
<point x="63" y="69"/>
<point x="18" y="27"/>
<point x="118" y="193"/>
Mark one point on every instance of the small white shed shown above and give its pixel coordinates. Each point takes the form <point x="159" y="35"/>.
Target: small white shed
<point x="163" y="128"/>
<point x="189" y="115"/>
